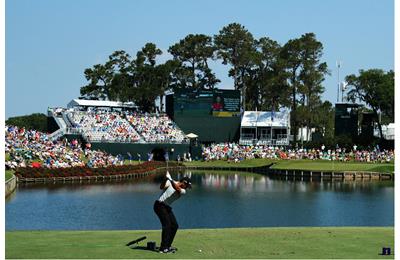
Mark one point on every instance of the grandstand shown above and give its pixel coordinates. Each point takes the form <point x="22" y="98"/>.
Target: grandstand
<point x="100" y="126"/>
<point x="116" y="128"/>
<point x="106" y="121"/>
<point x="214" y="116"/>
<point x="156" y="128"/>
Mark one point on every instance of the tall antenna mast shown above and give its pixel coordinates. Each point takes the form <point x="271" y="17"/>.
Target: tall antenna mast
<point x="338" y="65"/>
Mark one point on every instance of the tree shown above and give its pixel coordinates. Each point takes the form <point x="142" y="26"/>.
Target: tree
<point x="148" y="54"/>
<point x="125" y="79"/>
<point x="120" y="62"/>
<point x="274" y="90"/>
<point x="312" y="75"/>
<point x="305" y="73"/>
<point x="165" y="75"/>
<point x="235" y="45"/>
<point x="147" y="79"/>
<point x="291" y="54"/>
<point x="181" y="76"/>
<point x="122" y="81"/>
<point x="36" y="121"/>
<point x="376" y="89"/>
<point x="121" y="87"/>
<point x="99" y="77"/>
<point x="193" y="53"/>
<point x="323" y="119"/>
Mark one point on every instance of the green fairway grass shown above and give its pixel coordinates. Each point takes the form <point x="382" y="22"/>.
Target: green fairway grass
<point x="301" y="165"/>
<point x="333" y="166"/>
<point x="9" y="174"/>
<point x="221" y="163"/>
<point x="313" y="242"/>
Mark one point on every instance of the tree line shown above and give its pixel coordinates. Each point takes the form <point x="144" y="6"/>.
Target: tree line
<point x="36" y="121"/>
<point x="268" y="74"/>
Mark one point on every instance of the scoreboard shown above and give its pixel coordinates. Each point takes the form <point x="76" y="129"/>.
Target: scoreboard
<point x="213" y="115"/>
<point x="217" y="103"/>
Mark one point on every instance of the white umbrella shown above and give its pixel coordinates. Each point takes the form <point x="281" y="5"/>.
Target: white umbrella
<point x="191" y="135"/>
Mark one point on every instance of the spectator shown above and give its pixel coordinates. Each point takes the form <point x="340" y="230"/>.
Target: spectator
<point x="234" y="152"/>
<point x="25" y="146"/>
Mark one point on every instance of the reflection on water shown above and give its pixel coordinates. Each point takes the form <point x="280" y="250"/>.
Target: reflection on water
<point x="218" y="199"/>
<point x="249" y="182"/>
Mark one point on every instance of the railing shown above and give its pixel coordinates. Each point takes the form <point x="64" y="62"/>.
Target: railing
<point x="72" y="130"/>
<point x="265" y="136"/>
<point x="63" y="131"/>
<point x="273" y="142"/>
<point x="268" y="136"/>
<point x="57" y="134"/>
<point x="168" y="142"/>
<point x="60" y="122"/>
<point x="91" y="140"/>
<point x="283" y="141"/>
<point x="389" y="137"/>
<point x="66" y="119"/>
<point x="281" y="136"/>
<point x="247" y="136"/>
<point x="246" y="141"/>
<point x="266" y="142"/>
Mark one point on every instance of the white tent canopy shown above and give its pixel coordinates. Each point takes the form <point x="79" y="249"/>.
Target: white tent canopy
<point x="99" y="103"/>
<point x="191" y="135"/>
<point x="388" y="131"/>
<point x="266" y="119"/>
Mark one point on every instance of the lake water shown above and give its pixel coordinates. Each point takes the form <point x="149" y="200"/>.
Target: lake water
<point x="217" y="200"/>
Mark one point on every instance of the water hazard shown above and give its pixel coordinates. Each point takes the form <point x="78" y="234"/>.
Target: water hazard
<point x="217" y="200"/>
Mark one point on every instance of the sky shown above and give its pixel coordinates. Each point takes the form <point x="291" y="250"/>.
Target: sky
<point x="50" y="43"/>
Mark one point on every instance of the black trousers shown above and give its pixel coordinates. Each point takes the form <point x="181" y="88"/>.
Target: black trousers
<point x="168" y="222"/>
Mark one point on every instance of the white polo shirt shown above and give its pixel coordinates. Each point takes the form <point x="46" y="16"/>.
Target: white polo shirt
<point x="169" y="195"/>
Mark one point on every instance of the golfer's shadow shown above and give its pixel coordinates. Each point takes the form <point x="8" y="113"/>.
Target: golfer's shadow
<point x="145" y="248"/>
<point x="151" y="246"/>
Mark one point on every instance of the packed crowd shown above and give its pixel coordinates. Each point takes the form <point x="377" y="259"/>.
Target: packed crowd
<point x="129" y="127"/>
<point x="104" y="126"/>
<point x="236" y="153"/>
<point x="156" y="128"/>
<point x="33" y="148"/>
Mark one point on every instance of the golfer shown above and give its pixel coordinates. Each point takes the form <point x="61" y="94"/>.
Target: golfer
<point x="172" y="191"/>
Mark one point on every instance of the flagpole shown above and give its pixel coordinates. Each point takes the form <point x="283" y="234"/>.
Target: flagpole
<point x="338" y="64"/>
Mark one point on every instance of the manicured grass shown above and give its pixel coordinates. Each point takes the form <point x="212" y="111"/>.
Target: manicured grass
<point x="227" y="173"/>
<point x="302" y="165"/>
<point x="333" y="166"/>
<point x="221" y="163"/>
<point x="133" y="162"/>
<point x="9" y="174"/>
<point x="315" y="242"/>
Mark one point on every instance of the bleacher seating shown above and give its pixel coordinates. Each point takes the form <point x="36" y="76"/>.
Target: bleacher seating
<point x="105" y="126"/>
<point x="156" y="128"/>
